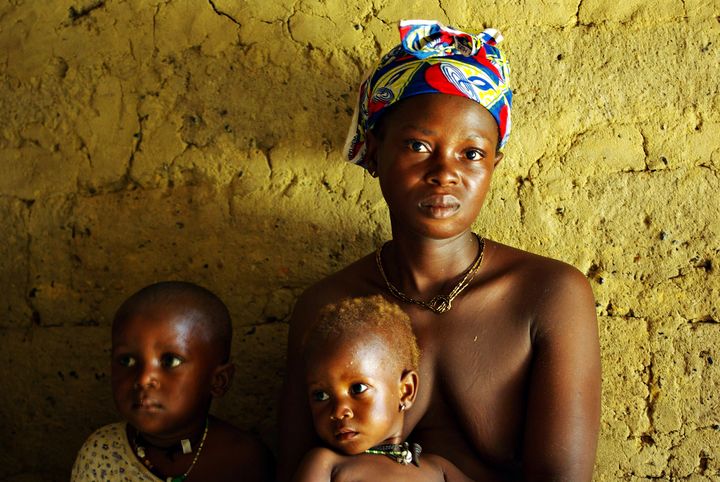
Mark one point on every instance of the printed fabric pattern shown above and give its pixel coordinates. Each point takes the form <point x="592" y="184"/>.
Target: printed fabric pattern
<point x="433" y="58"/>
<point x="107" y="456"/>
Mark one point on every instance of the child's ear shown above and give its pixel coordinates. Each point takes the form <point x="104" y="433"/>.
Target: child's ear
<point x="408" y="389"/>
<point x="222" y="379"/>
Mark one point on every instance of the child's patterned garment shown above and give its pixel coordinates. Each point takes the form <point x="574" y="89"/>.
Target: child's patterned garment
<point x="107" y="456"/>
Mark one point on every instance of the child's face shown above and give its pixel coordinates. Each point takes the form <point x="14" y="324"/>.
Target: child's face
<point x="162" y="371"/>
<point x="435" y="157"/>
<point x="355" y="392"/>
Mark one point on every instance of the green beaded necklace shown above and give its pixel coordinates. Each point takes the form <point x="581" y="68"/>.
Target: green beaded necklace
<point x="402" y="453"/>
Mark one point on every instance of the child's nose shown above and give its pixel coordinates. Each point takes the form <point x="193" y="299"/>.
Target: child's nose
<point x="341" y="411"/>
<point x="146" y="376"/>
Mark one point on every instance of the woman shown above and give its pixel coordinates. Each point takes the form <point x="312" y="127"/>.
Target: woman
<point x="510" y="353"/>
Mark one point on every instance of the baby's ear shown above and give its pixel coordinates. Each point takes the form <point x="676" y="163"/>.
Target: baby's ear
<point x="222" y="379"/>
<point x="408" y="389"/>
<point x="498" y="157"/>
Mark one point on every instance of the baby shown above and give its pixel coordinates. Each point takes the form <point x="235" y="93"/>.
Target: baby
<point x="170" y="358"/>
<point x="361" y="360"/>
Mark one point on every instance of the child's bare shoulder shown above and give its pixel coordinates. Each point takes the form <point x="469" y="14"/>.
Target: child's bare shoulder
<point x="317" y="465"/>
<point x="444" y="468"/>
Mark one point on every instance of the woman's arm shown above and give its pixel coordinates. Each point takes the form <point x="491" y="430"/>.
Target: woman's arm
<point x="297" y="434"/>
<point x="563" y="414"/>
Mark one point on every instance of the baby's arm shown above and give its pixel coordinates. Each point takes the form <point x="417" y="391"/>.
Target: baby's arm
<point x="447" y="468"/>
<point x="316" y="466"/>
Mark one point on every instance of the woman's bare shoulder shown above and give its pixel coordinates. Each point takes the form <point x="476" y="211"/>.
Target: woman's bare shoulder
<point x="357" y="279"/>
<point x="511" y="261"/>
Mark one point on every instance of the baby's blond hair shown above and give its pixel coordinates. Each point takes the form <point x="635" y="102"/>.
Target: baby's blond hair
<point x="372" y="315"/>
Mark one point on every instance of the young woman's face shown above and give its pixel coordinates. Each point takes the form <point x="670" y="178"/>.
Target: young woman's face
<point x="435" y="156"/>
<point x="162" y="371"/>
<point x="354" y="395"/>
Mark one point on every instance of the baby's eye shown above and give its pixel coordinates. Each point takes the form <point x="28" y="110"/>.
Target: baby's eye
<point x="474" y="154"/>
<point x="171" y="361"/>
<point x="357" y="388"/>
<point x="319" y="396"/>
<point x="126" y="361"/>
<point x="417" y="146"/>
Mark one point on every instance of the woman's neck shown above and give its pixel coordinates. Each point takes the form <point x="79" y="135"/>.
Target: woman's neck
<point x="425" y="267"/>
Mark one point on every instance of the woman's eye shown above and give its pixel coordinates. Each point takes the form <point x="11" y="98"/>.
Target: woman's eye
<point x="319" y="396"/>
<point x="474" y="155"/>
<point x="171" y="361"/>
<point x="126" y="361"/>
<point x="358" y="388"/>
<point x="417" y="146"/>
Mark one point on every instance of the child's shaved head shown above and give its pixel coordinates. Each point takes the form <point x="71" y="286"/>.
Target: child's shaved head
<point x="371" y="316"/>
<point x="187" y="299"/>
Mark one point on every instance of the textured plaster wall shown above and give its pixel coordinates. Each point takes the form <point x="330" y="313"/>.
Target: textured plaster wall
<point x="200" y="140"/>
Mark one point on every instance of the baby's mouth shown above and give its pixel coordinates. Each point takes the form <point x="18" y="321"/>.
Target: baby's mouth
<point x="344" y="434"/>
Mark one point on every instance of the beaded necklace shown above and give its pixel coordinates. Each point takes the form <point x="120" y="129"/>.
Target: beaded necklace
<point x="402" y="453"/>
<point x="439" y="303"/>
<point x="186" y="448"/>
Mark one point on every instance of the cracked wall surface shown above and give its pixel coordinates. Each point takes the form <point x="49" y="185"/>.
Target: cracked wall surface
<point x="200" y="140"/>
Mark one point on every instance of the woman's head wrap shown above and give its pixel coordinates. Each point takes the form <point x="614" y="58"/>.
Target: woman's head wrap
<point x="430" y="59"/>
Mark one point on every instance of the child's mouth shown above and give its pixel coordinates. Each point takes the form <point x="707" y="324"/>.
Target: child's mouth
<point x="345" y="434"/>
<point x="146" y="404"/>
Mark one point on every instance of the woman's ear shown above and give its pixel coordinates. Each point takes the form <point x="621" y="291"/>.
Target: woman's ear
<point x="371" y="142"/>
<point x="498" y="157"/>
<point x="222" y="379"/>
<point x="408" y="389"/>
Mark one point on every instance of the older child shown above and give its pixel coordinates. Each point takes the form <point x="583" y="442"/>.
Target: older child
<point x="360" y="365"/>
<point x="511" y="365"/>
<point x="170" y="358"/>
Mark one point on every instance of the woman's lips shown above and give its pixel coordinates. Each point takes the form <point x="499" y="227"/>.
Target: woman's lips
<point x="440" y="205"/>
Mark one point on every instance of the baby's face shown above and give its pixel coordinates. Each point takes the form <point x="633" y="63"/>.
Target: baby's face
<point x="354" y="389"/>
<point x="162" y="369"/>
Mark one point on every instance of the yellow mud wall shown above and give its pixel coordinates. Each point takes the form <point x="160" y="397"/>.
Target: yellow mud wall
<point x="200" y="140"/>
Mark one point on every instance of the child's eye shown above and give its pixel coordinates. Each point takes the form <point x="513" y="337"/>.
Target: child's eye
<point x="171" y="361"/>
<point x="358" y="388"/>
<point x="319" y="396"/>
<point x="417" y="146"/>
<point x="127" y="361"/>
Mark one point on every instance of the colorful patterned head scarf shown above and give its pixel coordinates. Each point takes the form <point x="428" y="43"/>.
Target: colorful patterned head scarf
<point x="433" y="58"/>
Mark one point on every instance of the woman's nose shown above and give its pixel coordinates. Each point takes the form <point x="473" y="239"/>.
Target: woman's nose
<point x="442" y="170"/>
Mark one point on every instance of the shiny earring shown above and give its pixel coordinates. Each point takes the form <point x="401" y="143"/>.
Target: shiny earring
<point x="402" y="407"/>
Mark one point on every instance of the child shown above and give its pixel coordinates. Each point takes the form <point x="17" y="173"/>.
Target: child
<point x="360" y="365"/>
<point x="511" y="359"/>
<point x="170" y="358"/>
